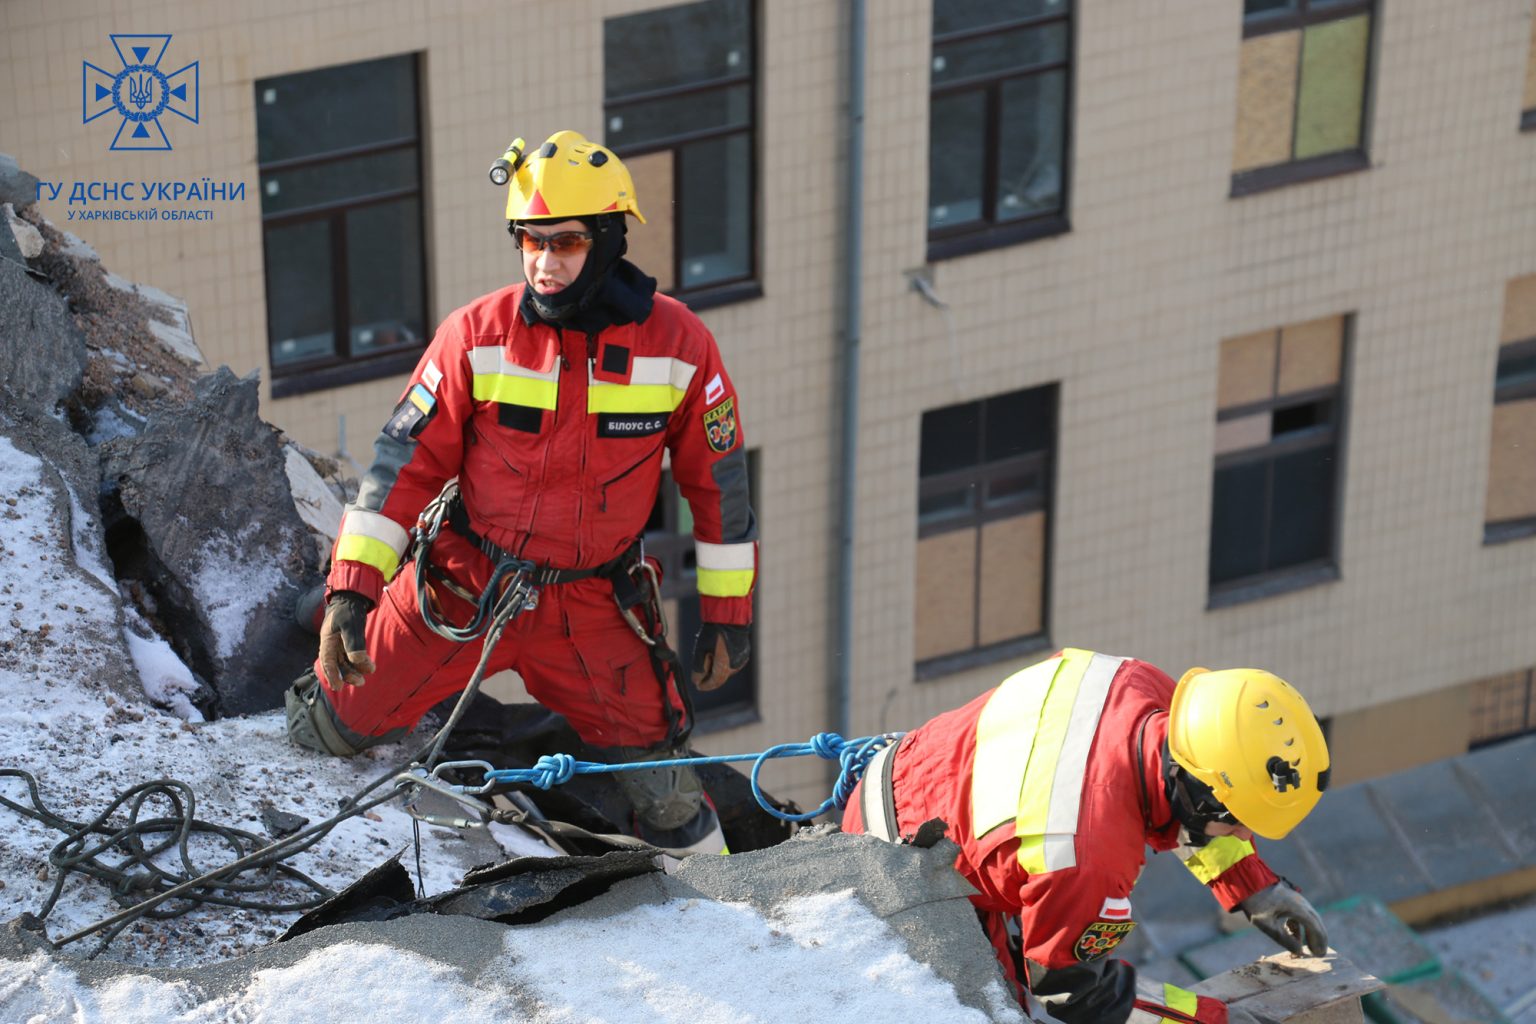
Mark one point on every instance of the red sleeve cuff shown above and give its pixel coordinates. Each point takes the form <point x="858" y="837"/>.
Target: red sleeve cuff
<point x="355" y="576"/>
<point x="727" y="611"/>
<point x="1242" y="880"/>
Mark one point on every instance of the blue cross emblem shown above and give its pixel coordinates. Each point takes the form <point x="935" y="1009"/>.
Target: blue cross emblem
<point x="140" y="92"/>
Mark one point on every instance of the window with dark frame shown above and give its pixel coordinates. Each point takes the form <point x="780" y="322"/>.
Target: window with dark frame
<point x="679" y="103"/>
<point x="339" y="158"/>
<point x="1278" y="432"/>
<point x="1528" y="106"/>
<point x="669" y="538"/>
<point x="1502" y="708"/>
<point x="1303" y="86"/>
<point x="984" y="499"/>
<point x="1510" y="513"/>
<point x="1000" y="87"/>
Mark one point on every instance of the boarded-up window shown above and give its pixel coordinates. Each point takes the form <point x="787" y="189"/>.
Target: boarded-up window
<point x="1511" y="504"/>
<point x="1502" y="707"/>
<point x="1278" y="416"/>
<point x="1303" y="77"/>
<point x="983" y="517"/>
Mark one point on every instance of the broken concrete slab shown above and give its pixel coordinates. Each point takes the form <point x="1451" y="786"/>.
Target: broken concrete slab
<point x="168" y="318"/>
<point x="43" y="351"/>
<point x="226" y="570"/>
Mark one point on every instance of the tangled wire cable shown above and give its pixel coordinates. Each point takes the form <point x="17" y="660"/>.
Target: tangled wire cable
<point x="135" y="877"/>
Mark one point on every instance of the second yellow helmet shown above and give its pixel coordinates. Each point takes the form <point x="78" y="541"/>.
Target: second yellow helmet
<point x="1250" y="737"/>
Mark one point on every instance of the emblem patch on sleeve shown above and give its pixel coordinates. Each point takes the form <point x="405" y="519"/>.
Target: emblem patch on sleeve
<point x="412" y="414"/>
<point x="1100" y="937"/>
<point x="720" y="426"/>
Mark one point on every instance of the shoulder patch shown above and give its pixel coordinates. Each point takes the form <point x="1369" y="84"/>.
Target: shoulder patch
<point x="720" y="426"/>
<point x="1100" y="937"/>
<point x="714" y="389"/>
<point x="412" y="415"/>
<point x="432" y="376"/>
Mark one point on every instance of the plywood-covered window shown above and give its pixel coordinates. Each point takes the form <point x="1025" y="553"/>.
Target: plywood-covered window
<point x="983" y="516"/>
<point x="679" y="104"/>
<point x="1278" y="430"/>
<point x="1303" y="83"/>
<point x="1511" y="505"/>
<point x="1502" y="707"/>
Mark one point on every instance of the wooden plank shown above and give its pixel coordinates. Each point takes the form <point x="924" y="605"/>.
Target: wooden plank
<point x="1295" y="990"/>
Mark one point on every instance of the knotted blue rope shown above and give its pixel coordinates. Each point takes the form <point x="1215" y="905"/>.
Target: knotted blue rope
<point x="853" y="756"/>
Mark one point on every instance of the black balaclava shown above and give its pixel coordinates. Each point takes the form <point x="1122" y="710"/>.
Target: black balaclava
<point x="1193" y="802"/>
<point x="608" y="291"/>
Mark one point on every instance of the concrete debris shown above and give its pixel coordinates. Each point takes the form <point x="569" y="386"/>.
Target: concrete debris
<point x="29" y="241"/>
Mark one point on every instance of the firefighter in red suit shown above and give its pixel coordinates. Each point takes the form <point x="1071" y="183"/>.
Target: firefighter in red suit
<point x="1053" y="783"/>
<point x="553" y="404"/>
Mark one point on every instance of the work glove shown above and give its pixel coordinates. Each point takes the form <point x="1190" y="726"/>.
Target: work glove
<point x="1284" y="915"/>
<point x="343" y="651"/>
<point x="719" y="652"/>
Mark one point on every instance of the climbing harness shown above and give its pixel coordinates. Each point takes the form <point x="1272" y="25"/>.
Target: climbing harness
<point x="555" y="769"/>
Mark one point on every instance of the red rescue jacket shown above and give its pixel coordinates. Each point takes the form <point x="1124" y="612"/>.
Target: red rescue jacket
<point x="558" y="444"/>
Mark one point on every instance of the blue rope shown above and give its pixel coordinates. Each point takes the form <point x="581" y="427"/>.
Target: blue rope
<point x="852" y="755"/>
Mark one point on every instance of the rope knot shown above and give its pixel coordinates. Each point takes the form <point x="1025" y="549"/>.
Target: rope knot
<point x="552" y="770"/>
<point x="828" y="745"/>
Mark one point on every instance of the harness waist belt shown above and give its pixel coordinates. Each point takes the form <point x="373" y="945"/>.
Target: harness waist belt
<point x="458" y="519"/>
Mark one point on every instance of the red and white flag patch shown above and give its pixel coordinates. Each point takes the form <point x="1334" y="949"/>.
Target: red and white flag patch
<point x="1115" y="910"/>
<point x="713" y="390"/>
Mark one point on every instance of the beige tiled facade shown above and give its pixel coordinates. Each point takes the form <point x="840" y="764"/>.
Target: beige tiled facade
<point x="1126" y="312"/>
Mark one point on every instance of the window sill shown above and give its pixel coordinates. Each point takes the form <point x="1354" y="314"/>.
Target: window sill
<point x="996" y="236"/>
<point x="706" y="722"/>
<point x="720" y="295"/>
<point x="1272" y="584"/>
<point x="949" y="664"/>
<point x="300" y="382"/>
<point x="1317" y="168"/>
<point x="1528" y="121"/>
<point x="1509" y="530"/>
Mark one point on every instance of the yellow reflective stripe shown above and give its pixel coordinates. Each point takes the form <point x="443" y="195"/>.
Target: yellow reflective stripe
<point x="725" y="582"/>
<point x="1215" y="857"/>
<point x="369" y="551"/>
<point x="496" y="387"/>
<point x="605" y="397"/>
<point x="1176" y="998"/>
<point x="1010" y="714"/>
<point x="726" y="556"/>
<point x="499" y="379"/>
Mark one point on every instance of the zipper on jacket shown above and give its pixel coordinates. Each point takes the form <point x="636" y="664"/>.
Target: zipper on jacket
<point x="603" y="506"/>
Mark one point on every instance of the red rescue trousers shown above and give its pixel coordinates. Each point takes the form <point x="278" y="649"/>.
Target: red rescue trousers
<point x="574" y="651"/>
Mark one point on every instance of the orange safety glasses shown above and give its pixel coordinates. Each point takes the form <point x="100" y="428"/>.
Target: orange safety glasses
<point x="562" y="243"/>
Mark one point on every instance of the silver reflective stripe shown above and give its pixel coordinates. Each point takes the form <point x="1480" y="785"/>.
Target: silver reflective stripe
<point x="661" y="370"/>
<point x="726" y="556"/>
<point x="875" y="807"/>
<point x="360" y="522"/>
<point x="1072" y="762"/>
<point x="492" y="359"/>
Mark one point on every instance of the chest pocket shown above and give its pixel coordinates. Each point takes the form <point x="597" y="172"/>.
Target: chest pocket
<point x="641" y="405"/>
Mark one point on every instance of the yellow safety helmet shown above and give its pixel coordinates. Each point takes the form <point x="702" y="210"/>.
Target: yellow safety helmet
<point x="1251" y="738"/>
<point x="565" y="178"/>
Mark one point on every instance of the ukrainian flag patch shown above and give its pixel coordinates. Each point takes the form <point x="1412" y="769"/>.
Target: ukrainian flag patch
<point x="413" y="413"/>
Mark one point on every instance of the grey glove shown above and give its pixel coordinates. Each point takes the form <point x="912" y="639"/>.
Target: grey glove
<point x="343" y="651"/>
<point x="1284" y="915"/>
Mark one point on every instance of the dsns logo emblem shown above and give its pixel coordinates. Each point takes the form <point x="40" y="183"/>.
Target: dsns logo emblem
<point x="140" y="93"/>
